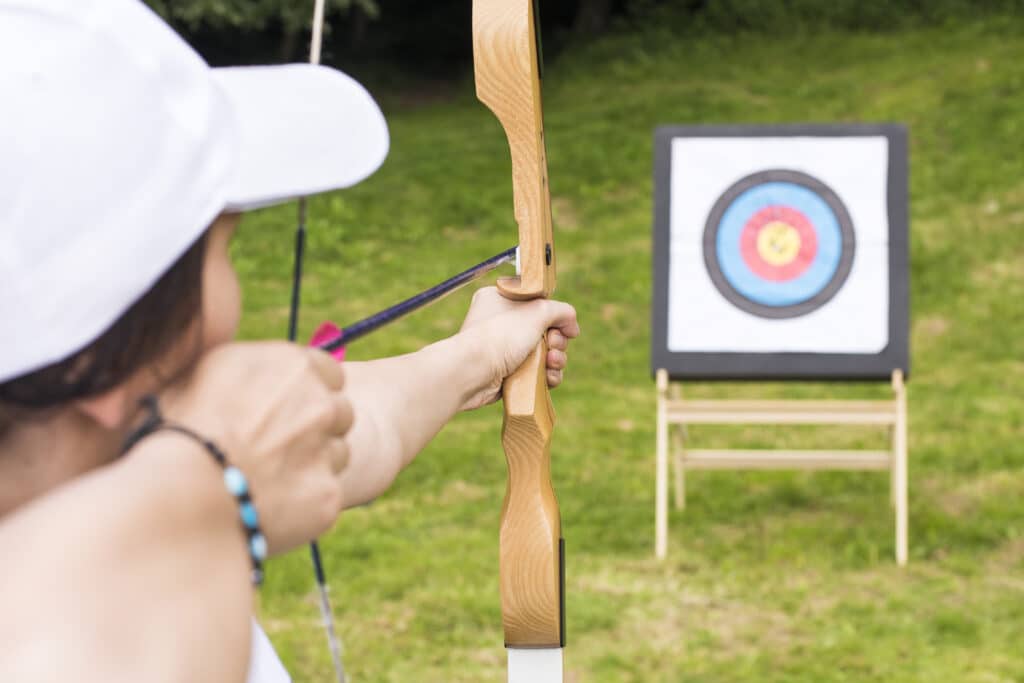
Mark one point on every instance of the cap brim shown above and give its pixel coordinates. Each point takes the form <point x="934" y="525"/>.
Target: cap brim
<point x="302" y="129"/>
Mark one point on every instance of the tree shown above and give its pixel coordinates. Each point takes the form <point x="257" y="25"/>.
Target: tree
<point x="592" y="16"/>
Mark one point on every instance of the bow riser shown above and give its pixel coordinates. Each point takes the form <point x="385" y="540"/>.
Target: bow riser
<point x="507" y="68"/>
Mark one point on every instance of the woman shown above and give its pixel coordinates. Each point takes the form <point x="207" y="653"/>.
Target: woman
<point x="147" y="462"/>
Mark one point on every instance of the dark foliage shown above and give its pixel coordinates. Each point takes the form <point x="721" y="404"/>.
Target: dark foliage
<point x="433" y="39"/>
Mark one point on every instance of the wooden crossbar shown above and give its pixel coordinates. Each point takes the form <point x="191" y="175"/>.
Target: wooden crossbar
<point x="675" y="414"/>
<point x="782" y="412"/>
<point x="781" y="460"/>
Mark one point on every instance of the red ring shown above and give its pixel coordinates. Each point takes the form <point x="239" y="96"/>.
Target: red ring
<point x="783" y="214"/>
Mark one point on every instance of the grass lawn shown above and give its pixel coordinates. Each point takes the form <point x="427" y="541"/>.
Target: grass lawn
<point x="771" y="576"/>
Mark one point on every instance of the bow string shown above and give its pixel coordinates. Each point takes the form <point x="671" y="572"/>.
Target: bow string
<point x="326" y="613"/>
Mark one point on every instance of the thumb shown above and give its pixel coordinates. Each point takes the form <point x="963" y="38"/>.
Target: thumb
<point x="560" y="316"/>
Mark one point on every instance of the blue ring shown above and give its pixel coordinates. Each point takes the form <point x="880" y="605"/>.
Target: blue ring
<point x="779" y="293"/>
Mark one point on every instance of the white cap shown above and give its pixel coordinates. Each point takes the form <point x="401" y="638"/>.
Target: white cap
<point x="119" y="145"/>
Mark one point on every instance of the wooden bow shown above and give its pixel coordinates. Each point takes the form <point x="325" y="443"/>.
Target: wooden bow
<point x="508" y="74"/>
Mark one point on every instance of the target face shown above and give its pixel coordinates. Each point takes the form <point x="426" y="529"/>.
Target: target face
<point x="779" y="244"/>
<point x="780" y="251"/>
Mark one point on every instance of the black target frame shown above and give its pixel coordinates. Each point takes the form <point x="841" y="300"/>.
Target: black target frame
<point x="796" y="365"/>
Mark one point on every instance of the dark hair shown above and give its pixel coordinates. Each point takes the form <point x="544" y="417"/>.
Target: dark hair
<point x="142" y="334"/>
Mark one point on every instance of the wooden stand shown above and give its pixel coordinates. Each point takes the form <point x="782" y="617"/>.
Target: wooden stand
<point x="675" y="413"/>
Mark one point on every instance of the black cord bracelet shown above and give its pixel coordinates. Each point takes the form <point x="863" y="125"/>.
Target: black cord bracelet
<point x="234" y="480"/>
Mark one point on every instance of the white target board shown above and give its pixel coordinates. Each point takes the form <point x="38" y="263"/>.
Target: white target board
<point x="780" y="251"/>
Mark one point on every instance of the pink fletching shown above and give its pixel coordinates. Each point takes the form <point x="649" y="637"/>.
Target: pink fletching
<point x="328" y="332"/>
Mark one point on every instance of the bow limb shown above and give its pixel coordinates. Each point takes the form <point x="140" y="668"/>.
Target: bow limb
<point x="508" y="70"/>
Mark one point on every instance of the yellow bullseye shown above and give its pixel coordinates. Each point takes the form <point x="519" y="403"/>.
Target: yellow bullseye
<point x="778" y="243"/>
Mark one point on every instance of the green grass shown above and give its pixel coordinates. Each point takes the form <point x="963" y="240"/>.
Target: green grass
<point x="771" y="576"/>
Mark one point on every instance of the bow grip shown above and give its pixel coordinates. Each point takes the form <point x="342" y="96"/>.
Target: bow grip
<point x="531" y="553"/>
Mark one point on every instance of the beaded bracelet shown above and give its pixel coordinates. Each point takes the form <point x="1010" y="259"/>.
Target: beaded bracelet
<point x="234" y="480"/>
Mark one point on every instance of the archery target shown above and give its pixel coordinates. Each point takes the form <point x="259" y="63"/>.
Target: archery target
<point x="778" y="245"/>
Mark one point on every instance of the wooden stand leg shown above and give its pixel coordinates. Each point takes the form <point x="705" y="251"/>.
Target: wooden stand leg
<point x="900" y="470"/>
<point x="678" y="451"/>
<point x="894" y="449"/>
<point x="661" y="470"/>
<point x="678" y="465"/>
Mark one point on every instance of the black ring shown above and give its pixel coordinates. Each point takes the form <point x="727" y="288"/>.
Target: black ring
<point x="849" y="244"/>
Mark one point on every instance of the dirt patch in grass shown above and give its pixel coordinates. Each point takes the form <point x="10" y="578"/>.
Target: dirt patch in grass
<point x="671" y="613"/>
<point x="933" y="326"/>
<point x="459" y="491"/>
<point x="964" y="498"/>
<point x="564" y="214"/>
<point x="997" y="271"/>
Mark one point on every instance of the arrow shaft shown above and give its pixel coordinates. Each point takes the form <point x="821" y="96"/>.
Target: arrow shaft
<point x="361" y="328"/>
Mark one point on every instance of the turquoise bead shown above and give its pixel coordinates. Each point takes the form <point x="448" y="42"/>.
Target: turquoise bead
<point x="249" y="516"/>
<point x="235" y="481"/>
<point x="258" y="547"/>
